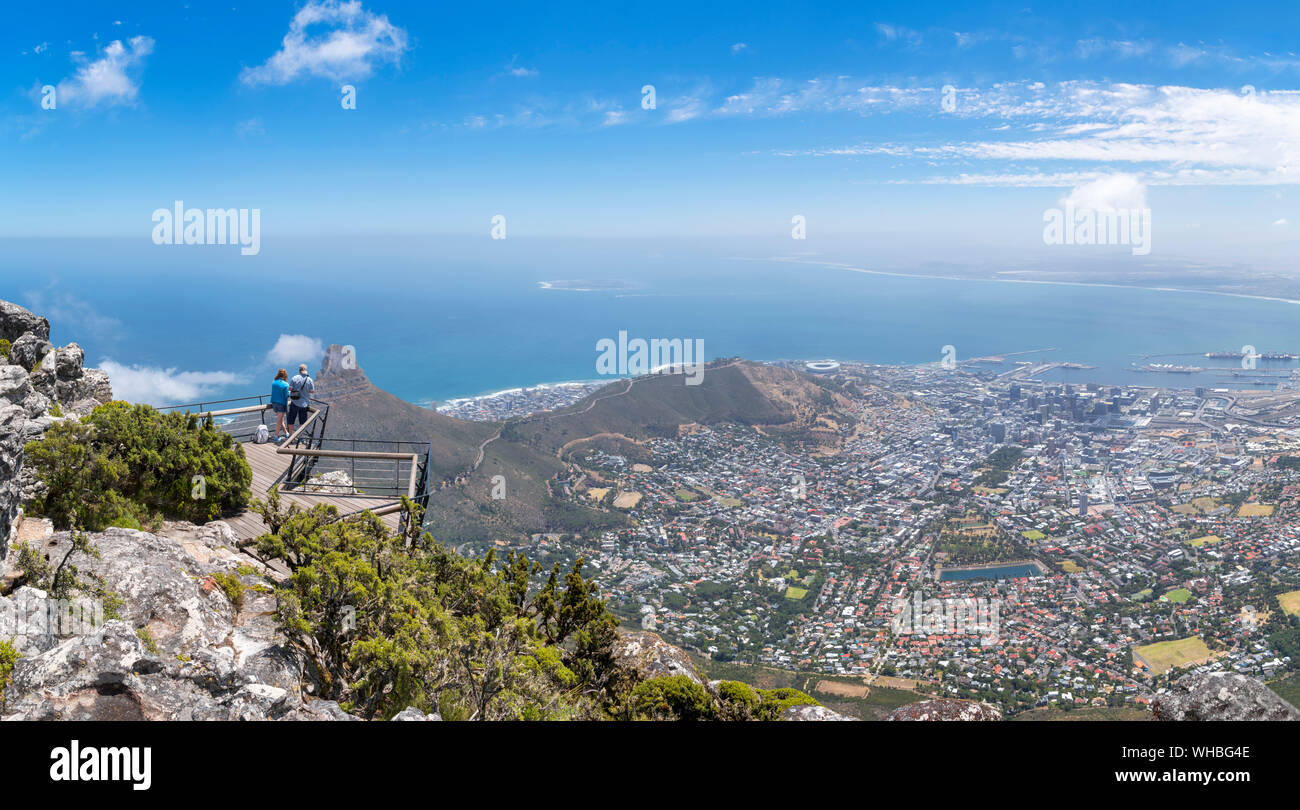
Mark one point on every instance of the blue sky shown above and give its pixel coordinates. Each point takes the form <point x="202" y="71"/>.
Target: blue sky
<point x="762" y="111"/>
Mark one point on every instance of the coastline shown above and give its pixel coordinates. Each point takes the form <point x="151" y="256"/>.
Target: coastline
<point x="505" y="392"/>
<point x="854" y="269"/>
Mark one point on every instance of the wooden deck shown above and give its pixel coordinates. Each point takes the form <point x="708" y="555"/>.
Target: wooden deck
<point x="268" y="466"/>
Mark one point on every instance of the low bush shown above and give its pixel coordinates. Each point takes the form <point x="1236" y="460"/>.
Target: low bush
<point x="130" y="465"/>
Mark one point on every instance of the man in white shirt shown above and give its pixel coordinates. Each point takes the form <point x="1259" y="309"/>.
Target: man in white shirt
<point x="301" y="388"/>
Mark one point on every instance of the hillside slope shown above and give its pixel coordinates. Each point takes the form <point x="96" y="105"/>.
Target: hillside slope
<point x="517" y="458"/>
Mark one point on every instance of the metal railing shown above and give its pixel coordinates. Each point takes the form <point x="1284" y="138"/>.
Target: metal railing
<point x="376" y="468"/>
<point x="239" y="420"/>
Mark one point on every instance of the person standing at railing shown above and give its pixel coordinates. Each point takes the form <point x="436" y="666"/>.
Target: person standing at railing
<point x="280" y="402"/>
<point x="301" y="388"/>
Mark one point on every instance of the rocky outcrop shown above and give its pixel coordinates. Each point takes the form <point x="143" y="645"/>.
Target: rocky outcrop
<point x="16" y="322"/>
<point x="28" y="350"/>
<point x="813" y="713"/>
<point x="411" y="713"/>
<point x="12" y="439"/>
<point x="652" y="657"/>
<point x="334" y="481"/>
<point x="39" y="384"/>
<point x="946" y="709"/>
<point x="177" y="648"/>
<point x="1221" y="696"/>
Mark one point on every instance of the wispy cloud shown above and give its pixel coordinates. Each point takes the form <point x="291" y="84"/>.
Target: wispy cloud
<point x="250" y="128"/>
<point x="898" y="33"/>
<point x="519" y="71"/>
<point x="164" y="386"/>
<point x="112" y="78"/>
<point x="61" y="307"/>
<point x="1183" y="55"/>
<point x="1168" y="135"/>
<point x="332" y="40"/>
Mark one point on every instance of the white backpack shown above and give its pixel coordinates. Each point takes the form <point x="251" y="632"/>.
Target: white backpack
<point x="263" y="435"/>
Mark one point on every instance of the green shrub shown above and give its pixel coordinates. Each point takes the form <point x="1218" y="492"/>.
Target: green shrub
<point x="4" y="348"/>
<point x="387" y="621"/>
<point x="8" y="658"/>
<point x="36" y="569"/>
<point x="233" y="588"/>
<point x="737" y="700"/>
<point x="149" y="643"/>
<point x="128" y="465"/>
<point x="776" y="701"/>
<point x="672" y="697"/>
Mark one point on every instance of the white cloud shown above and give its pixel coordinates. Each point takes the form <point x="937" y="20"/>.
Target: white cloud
<point x="738" y="47"/>
<point x="42" y="48"/>
<point x="897" y="33"/>
<point x="1113" y="192"/>
<point x="158" y="386"/>
<point x="1168" y="135"/>
<point x="685" y="110"/>
<point x="347" y="43"/>
<point x="1281" y="221"/>
<point x="1126" y="49"/>
<point x="290" y="350"/>
<point x="110" y="79"/>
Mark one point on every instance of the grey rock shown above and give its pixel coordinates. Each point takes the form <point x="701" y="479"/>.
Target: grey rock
<point x="95" y="677"/>
<point x="84" y="394"/>
<point x="178" y="649"/>
<point x="37" y="406"/>
<point x="316" y="710"/>
<point x="24" y="621"/>
<point x="1221" y="696"/>
<point x="12" y="439"/>
<point x="410" y="713"/>
<point x="29" y="350"/>
<point x="813" y="713"/>
<point x="36" y="378"/>
<point x="652" y="657"/>
<point x="15" y="321"/>
<point x="15" y="385"/>
<point x="946" y="709"/>
<point x="35" y="428"/>
<point x="68" y="362"/>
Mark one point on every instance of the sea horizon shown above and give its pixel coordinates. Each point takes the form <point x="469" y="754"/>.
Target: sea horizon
<point x="434" y="331"/>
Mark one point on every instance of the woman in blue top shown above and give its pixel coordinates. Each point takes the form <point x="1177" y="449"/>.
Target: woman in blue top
<point x="280" y="402"/>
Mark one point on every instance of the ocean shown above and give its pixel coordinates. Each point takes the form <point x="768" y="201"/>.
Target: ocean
<point x="435" y="319"/>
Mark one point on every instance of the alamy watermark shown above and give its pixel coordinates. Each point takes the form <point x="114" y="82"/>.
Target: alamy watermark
<point x="1069" y="225"/>
<point x="179" y="225"/>
<point x="77" y="763"/>
<point x="639" y="356"/>
<point x="26" y="616"/>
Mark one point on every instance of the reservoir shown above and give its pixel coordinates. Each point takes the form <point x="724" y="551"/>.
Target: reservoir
<point x="1013" y="571"/>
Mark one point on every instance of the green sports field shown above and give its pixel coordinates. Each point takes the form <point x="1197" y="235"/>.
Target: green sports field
<point x="1165" y="655"/>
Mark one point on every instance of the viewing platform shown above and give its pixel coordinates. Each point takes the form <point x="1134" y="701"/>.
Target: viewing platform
<point x="310" y="468"/>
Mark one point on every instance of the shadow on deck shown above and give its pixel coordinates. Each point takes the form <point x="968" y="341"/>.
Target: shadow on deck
<point x="310" y="468"/>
